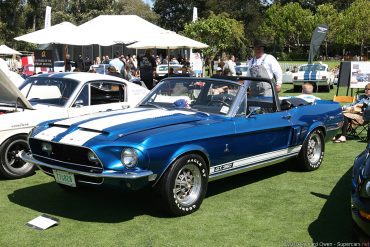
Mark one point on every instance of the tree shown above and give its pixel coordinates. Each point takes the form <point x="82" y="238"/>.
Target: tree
<point x="354" y="25"/>
<point x="220" y="32"/>
<point x="288" y="25"/>
<point x="135" y="7"/>
<point x="173" y="15"/>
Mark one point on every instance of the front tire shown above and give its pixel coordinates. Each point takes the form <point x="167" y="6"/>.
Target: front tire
<point x="184" y="185"/>
<point x="312" y="152"/>
<point x="12" y="166"/>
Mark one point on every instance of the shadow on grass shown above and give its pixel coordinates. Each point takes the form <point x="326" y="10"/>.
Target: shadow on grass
<point x="334" y="221"/>
<point x="107" y="205"/>
<point x="112" y="205"/>
<point x="243" y="179"/>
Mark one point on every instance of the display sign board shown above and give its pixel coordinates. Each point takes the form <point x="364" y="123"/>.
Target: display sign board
<point x="360" y="74"/>
<point x="44" y="58"/>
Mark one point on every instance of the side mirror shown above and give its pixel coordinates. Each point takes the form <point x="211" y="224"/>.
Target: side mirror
<point x="254" y="110"/>
<point x="79" y="103"/>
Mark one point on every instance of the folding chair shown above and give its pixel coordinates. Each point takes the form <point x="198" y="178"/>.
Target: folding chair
<point x="356" y="129"/>
<point x="344" y="99"/>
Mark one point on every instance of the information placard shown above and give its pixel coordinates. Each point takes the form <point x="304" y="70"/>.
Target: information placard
<point x="44" y="58"/>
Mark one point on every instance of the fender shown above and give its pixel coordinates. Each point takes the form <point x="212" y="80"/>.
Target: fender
<point x="180" y="152"/>
<point x="5" y="135"/>
<point x="314" y="126"/>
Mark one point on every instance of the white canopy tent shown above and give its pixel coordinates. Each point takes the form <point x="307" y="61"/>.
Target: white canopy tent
<point x="107" y="30"/>
<point x="5" y="50"/>
<point x="167" y="40"/>
<point x="62" y="33"/>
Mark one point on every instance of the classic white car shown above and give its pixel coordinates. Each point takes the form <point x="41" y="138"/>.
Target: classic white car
<point x="162" y="69"/>
<point x="318" y="74"/>
<point x="54" y="96"/>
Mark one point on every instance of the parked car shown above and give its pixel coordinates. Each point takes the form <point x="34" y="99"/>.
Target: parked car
<point x="360" y="196"/>
<point x="241" y="70"/>
<point x="318" y="74"/>
<point x="162" y="69"/>
<point x="185" y="132"/>
<point x="59" y="66"/>
<point x="53" y="96"/>
<point x="100" y="68"/>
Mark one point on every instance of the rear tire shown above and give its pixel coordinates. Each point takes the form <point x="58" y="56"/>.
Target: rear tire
<point x="312" y="152"/>
<point x="11" y="166"/>
<point x="184" y="185"/>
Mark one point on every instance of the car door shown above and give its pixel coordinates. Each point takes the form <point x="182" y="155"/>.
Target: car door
<point x="99" y="96"/>
<point x="263" y="132"/>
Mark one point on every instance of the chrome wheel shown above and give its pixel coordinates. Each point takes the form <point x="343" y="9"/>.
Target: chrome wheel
<point x="314" y="148"/>
<point x="12" y="161"/>
<point x="188" y="184"/>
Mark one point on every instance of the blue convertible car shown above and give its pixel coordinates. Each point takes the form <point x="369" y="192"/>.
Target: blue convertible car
<point x="186" y="132"/>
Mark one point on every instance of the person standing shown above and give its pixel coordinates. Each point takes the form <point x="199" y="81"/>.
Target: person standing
<point x="230" y="66"/>
<point x="116" y="62"/>
<point x="265" y="65"/>
<point x="68" y="65"/>
<point x="80" y="63"/>
<point x="147" y="67"/>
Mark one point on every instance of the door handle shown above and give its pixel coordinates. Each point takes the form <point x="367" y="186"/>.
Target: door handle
<point x="287" y="117"/>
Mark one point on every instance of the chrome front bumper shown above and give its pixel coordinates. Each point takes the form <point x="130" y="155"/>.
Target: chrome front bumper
<point x="105" y="174"/>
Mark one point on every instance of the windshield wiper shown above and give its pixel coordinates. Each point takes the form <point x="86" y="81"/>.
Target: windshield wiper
<point x="153" y="105"/>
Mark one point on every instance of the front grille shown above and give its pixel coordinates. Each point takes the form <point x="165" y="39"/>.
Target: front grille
<point x="71" y="157"/>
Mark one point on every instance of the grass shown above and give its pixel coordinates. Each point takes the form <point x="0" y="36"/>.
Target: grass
<point x="273" y="206"/>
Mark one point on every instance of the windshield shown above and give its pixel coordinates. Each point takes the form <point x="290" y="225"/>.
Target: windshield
<point x="165" y="68"/>
<point x="312" y="67"/>
<point x="241" y="68"/>
<point x="49" y="91"/>
<point x="209" y="96"/>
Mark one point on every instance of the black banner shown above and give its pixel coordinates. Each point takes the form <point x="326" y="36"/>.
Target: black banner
<point x="318" y="37"/>
<point x="44" y="58"/>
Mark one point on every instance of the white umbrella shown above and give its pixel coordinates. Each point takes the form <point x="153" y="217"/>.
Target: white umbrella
<point x="167" y="40"/>
<point x="5" y="50"/>
<point x="107" y="30"/>
<point x="62" y="33"/>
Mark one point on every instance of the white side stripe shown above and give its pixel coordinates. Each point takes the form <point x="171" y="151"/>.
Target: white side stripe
<point x="253" y="159"/>
<point x="50" y="133"/>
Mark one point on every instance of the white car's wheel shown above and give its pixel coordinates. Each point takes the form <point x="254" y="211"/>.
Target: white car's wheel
<point x="11" y="165"/>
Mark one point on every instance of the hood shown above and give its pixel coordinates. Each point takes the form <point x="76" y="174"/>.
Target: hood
<point x="111" y="126"/>
<point x="9" y="93"/>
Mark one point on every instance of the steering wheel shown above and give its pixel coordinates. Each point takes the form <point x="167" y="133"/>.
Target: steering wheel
<point x="221" y="101"/>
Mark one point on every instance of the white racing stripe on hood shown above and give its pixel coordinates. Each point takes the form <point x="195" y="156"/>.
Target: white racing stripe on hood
<point x="50" y="133"/>
<point x="70" y="121"/>
<point x="78" y="137"/>
<point x="104" y="123"/>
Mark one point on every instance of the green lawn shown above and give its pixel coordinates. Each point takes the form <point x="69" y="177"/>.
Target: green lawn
<point x="267" y="207"/>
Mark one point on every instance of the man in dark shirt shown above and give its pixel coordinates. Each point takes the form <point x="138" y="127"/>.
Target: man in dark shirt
<point x="147" y="66"/>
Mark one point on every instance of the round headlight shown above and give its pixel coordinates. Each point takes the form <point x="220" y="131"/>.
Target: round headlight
<point x="92" y="157"/>
<point x="129" y="157"/>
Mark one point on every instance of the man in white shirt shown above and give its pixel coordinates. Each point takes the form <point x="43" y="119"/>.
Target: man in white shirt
<point x="230" y="65"/>
<point x="307" y="90"/>
<point x="117" y="63"/>
<point x="268" y="61"/>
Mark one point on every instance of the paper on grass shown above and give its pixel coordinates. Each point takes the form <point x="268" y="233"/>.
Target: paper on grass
<point x="43" y="222"/>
